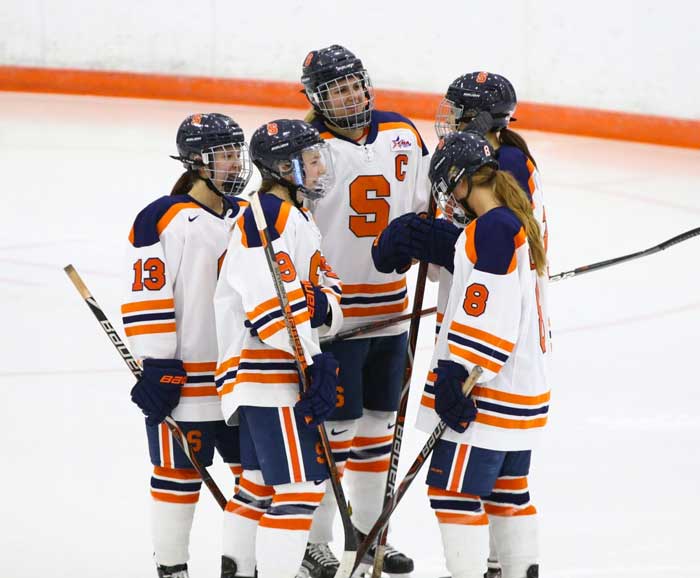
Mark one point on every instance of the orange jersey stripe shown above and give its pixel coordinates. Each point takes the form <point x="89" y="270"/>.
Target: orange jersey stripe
<point x="374" y="287"/>
<point x="510" y="423"/>
<point x="199" y="366"/>
<point x="511" y="484"/>
<point x="273" y="303"/>
<point x="175" y="499"/>
<point x="228" y="364"/>
<point x="246" y="376"/>
<point x="359" y="442"/>
<point x="377" y="310"/>
<point x="509" y="510"/>
<point x="299" y="318"/>
<point x="149" y="329"/>
<point x="193" y="391"/>
<point x="265" y="354"/>
<point x="282" y="216"/>
<point x="169" y="215"/>
<point x="428" y="401"/>
<point x="481" y="391"/>
<point x="463" y="519"/>
<point x="148" y="305"/>
<point x="241" y="510"/>
<point x="285" y="523"/>
<point x="489" y="338"/>
<point x="176" y="473"/>
<point x="380" y="466"/>
<point x="474" y="358"/>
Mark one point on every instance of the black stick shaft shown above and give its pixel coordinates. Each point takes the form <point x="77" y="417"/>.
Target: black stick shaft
<point x="617" y="260"/>
<point x="135" y="368"/>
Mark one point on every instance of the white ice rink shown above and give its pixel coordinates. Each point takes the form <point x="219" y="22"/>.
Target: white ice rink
<point x="615" y="481"/>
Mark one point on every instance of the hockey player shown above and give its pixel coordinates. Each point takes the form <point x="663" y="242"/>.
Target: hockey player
<point x="381" y="165"/>
<point x="268" y="519"/>
<point x="174" y="249"/>
<point x="495" y="318"/>
<point x="483" y="102"/>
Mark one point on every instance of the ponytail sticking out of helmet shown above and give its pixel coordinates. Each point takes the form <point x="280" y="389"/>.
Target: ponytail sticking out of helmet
<point x="338" y="87"/>
<point x="293" y="154"/>
<point x="212" y="146"/>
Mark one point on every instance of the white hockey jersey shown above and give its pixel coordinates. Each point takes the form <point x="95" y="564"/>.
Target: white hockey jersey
<point x="496" y="317"/>
<point x="261" y="371"/>
<point x="375" y="183"/>
<point x="175" y="249"/>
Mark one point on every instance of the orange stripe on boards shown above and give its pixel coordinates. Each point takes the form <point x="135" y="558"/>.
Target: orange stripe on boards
<point x="148" y="305"/>
<point x="380" y="466"/>
<point x="285" y="523"/>
<point x="506" y="423"/>
<point x="463" y="519"/>
<point x="176" y="473"/>
<point x="458" y="470"/>
<point x="474" y="358"/>
<point x="547" y="117"/>
<point x="489" y="338"/>
<point x="175" y="499"/>
<point x="509" y="510"/>
<point x="165" y="445"/>
<point x="240" y="510"/>
<point x="374" y="287"/>
<point x="481" y="391"/>
<point x="292" y="443"/>
<point x="378" y="310"/>
<point x="149" y="329"/>
<point x="511" y="484"/>
<point x="199" y="366"/>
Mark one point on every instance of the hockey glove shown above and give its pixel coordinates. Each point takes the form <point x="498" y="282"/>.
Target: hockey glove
<point x="481" y="123"/>
<point x="433" y="240"/>
<point x="316" y="302"/>
<point x="320" y="399"/>
<point x="391" y="250"/>
<point x="452" y="406"/>
<point x="157" y="392"/>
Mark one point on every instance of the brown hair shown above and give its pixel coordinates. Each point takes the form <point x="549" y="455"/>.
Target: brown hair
<point x="185" y="183"/>
<point x="509" y="193"/>
<point x="512" y="138"/>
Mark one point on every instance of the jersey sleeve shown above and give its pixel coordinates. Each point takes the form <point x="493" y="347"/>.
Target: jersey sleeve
<point x="151" y="269"/>
<point x="256" y="288"/>
<point x="421" y="197"/>
<point x="485" y="324"/>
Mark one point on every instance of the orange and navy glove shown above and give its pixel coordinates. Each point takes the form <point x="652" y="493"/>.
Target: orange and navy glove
<point x="316" y="303"/>
<point x="157" y="392"/>
<point x="317" y="403"/>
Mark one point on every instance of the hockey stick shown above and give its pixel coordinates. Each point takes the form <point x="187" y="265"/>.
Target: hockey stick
<point x="135" y="368"/>
<point x="617" y="260"/>
<point x="357" y="331"/>
<point x="416" y="466"/>
<point x="403" y="403"/>
<point x="261" y="224"/>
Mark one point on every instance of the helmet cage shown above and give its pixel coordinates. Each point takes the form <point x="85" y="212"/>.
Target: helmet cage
<point x="231" y="180"/>
<point x="340" y="103"/>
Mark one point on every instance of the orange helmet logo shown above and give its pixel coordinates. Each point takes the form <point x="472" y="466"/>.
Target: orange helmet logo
<point x="481" y="77"/>
<point x="309" y="58"/>
<point x="197" y="119"/>
<point x="272" y="128"/>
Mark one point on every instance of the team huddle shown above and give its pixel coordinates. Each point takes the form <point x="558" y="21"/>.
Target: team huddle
<point x="350" y="198"/>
